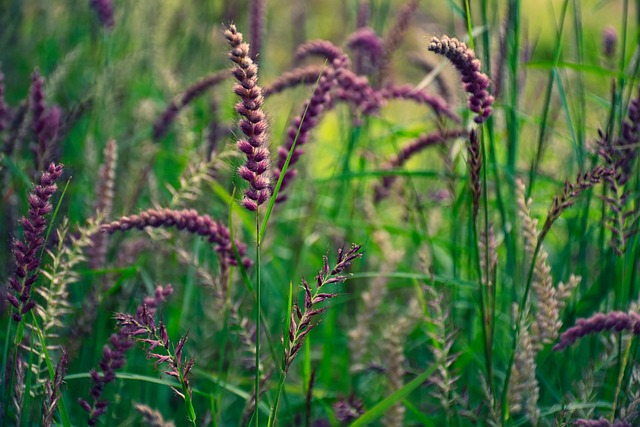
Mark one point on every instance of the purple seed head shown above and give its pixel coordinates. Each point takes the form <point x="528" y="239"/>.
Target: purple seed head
<point x="4" y="108"/>
<point x="27" y="251"/>
<point x="609" y="41"/>
<point x="474" y="81"/>
<point x="253" y="122"/>
<point x="104" y="10"/>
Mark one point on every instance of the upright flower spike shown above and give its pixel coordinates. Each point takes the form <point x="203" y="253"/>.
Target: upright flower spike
<point x="27" y="252"/>
<point x="104" y="10"/>
<point x="256" y="170"/>
<point x="4" y="108"/>
<point x="475" y="82"/>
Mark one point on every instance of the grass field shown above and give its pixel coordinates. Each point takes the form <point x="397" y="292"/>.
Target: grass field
<point x="296" y="213"/>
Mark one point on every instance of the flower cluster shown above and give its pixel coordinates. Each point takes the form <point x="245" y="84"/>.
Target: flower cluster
<point x="104" y="10"/>
<point x="570" y="192"/>
<point x="190" y="220"/>
<point x="142" y="328"/>
<point x="104" y="203"/>
<point x="4" y="108"/>
<point x="301" y="319"/>
<point x="409" y="92"/>
<point x="54" y="390"/>
<point x="27" y="252"/>
<point x="609" y="41"/>
<point x="298" y="132"/>
<point x="615" y="321"/>
<point x="45" y="121"/>
<point x="408" y="151"/>
<point x="300" y="75"/>
<point x="475" y="82"/>
<point x="253" y="124"/>
<point x="369" y="49"/>
<point x="113" y="356"/>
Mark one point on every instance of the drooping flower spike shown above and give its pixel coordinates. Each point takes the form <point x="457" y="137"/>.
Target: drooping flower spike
<point x="475" y="81"/>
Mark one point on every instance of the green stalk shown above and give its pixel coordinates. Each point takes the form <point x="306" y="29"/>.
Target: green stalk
<point x="489" y="280"/>
<point x="62" y="409"/>
<point x="547" y="102"/>
<point x="283" y="369"/>
<point x="467" y="13"/>
<point x="258" y="318"/>
<point x="187" y="399"/>
<point x="623" y="366"/>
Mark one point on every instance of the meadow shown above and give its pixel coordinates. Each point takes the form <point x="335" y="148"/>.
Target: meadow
<point x="319" y="213"/>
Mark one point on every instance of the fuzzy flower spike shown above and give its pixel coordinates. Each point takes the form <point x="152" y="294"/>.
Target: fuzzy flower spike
<point x="27" y="251"/>
<point x="256" y="170"/>
<point x="475" y="82"/>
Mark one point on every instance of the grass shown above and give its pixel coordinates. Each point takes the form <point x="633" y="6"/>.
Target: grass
<point x="426" y="328"/>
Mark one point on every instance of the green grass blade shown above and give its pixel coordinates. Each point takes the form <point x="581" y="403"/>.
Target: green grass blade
<point x="381" y="408"/>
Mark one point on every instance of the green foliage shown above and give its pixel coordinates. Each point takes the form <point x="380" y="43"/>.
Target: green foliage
<point x="438" y="324"/>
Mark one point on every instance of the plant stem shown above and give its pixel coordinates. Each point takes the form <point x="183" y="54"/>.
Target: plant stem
<point x="258" y="318"/>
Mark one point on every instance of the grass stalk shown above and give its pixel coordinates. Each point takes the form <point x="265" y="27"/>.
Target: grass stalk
<point x="258" y="320"/>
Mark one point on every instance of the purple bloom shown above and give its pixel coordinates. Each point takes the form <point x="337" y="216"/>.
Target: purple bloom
<point x="114" y="355"/>
<point x="614" y="321"/>
<point x="322" y="48"/>
<point x="4" y="108"/>
<point x="253" y="124"/>
<point x="408" y="92"/>
<point x="27" y="252"/>
<point x="320" y="100"/>
<point x="609" y="41"/>
<point x="190" y="220"/>
<point x="601" y="422"/>
<point x="104" y="9"/>
<point x="475" y="82"/>
<point x="257" y="25"/>
<point x="395" y="36"/>
<point x="408" y="151"/>
<point x="369" y="50"/>
<point x="45" y="121"/>
<point x="38" y="109"/>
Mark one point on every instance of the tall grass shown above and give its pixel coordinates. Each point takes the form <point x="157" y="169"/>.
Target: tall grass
<point x="464" y="175"/>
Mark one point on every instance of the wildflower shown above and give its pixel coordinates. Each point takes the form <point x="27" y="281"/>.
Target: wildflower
<point x="475" y="82"/>
<point x="253" y="125"/>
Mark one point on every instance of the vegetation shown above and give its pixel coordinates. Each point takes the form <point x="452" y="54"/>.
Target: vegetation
<point x="319" y="213"/>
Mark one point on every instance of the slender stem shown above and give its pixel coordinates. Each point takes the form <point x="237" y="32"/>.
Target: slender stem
<point x="258" y="318"/>
<point x="623" y="366"/>
<point x="274" y="408"/>
<point x="467" y="12"/>
<point x="483" y="308"/>
<point x="490" y="281"/>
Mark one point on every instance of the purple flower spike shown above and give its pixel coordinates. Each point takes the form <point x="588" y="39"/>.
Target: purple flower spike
<point x="104" y="9"/>
<point x="609" y="41"/>
<point x="256" y="170"/>
<point x="4" y="108"/>
<point x="257" y="25"/>
<point x="601" y="422"/>
<point x="369" y="48"/>
<point x="321" y="99"/>
<point x="474" y="81"/>
<point x="322" y="48"/>
<point x="614" y="321"/>
<point x="27" y="252"/>
<point x="38" y="106"/>
<point x="114" y="354"/>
